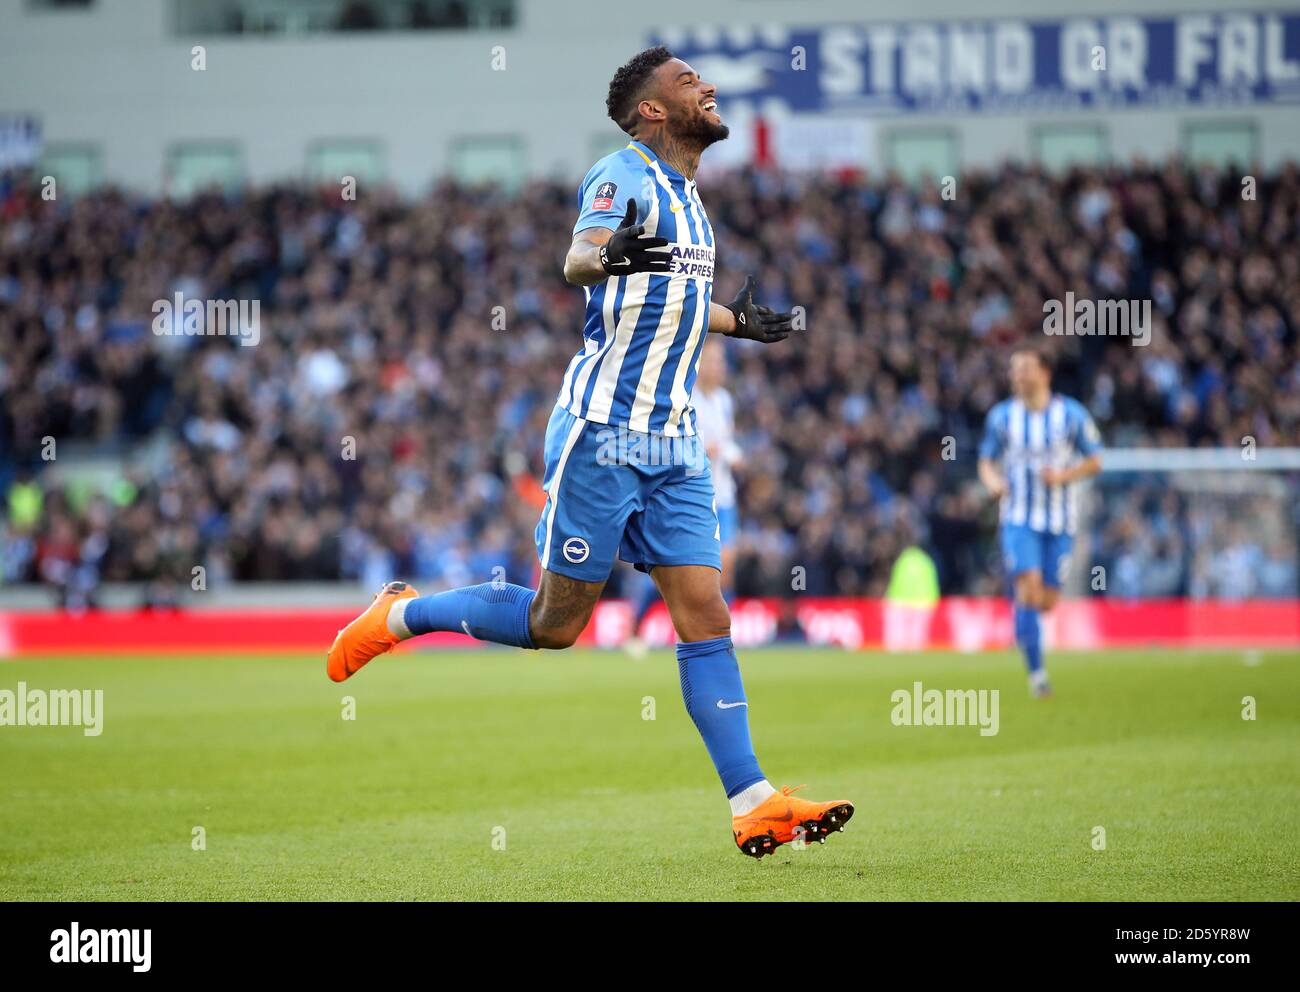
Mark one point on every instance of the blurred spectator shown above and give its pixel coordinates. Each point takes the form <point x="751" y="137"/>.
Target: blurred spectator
<point x="373" y="430"/>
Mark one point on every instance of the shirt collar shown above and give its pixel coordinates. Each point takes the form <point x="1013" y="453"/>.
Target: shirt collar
<point x="647" y="154"/>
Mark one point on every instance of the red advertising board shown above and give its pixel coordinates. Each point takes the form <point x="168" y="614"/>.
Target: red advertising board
<point x="957" y="624"/>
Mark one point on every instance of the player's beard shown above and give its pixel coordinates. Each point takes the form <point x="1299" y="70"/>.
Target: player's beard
<point x="703" y="132"/>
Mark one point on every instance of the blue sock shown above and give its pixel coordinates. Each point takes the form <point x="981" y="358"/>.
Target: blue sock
<point x="491" y="611"/>
<point x="711" y="676"/>
<point x="1028" y="637"/>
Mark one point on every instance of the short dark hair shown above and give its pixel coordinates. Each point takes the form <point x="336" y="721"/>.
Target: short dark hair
<point x="626" y="86"/>
<point x="1045" y="358"/>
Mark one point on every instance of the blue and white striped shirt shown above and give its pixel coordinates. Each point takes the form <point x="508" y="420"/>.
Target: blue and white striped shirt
<point x="643" y="332"/>
<point x="1026" y="442"/>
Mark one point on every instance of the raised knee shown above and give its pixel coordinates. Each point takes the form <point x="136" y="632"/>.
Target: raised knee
<point x="560" y="611"/>
<point x="547" y="640"/>
<point x="553" y="632"/>
<point x="555" y="638"/>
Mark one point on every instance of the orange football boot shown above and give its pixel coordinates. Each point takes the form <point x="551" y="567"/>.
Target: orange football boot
<point x="368" y="635"/>
<point x="778" y="820"/>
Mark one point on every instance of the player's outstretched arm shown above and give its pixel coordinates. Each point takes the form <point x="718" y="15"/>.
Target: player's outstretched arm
<point x="598" y="253"/>
<point x="743" y="318"/>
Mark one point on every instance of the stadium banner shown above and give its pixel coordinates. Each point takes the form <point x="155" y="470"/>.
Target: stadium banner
<point x="955" y="624"/>
<point x="1008" y="65"/>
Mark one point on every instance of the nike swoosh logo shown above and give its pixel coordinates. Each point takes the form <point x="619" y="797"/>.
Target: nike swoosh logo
<point x="464" y="625"/>
<point x="789" y="815"/>
<point x="730" y="706"/>
<point x="678" y="209"/>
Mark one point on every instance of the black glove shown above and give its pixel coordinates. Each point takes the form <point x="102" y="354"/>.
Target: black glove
<point x="758" y="323"/>
<point x="628" y="250"/>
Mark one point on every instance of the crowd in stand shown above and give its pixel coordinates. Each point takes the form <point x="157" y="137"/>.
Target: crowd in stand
<point x="389" y="420"/>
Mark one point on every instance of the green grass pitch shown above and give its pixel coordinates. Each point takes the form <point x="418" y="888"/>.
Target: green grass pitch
<point x="451" y="753"/>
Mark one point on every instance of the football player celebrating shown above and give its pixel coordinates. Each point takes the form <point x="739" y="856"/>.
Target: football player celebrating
<point x="643" y="249"/>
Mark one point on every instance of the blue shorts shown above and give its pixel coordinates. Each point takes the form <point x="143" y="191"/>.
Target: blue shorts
<point x="611" y="492"/>
<point x="1025" y="550"/>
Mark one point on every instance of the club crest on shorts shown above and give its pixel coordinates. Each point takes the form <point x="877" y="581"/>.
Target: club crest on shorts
<point x="604" y="196"/>
<point x="576" y="550"/>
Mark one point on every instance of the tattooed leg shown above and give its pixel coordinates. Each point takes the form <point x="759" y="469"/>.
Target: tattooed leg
<point x="561" y="609"/>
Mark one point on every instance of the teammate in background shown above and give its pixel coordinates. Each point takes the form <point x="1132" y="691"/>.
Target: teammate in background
<point x="1037" y="446"/>
<point x="648" y="273"/>
<point x="715" y="420"/>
